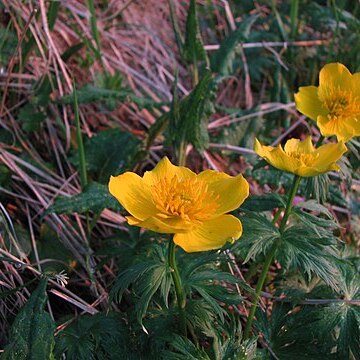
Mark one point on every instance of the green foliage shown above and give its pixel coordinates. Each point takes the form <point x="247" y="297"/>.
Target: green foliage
<point x="188" y="119"/>
<point x="147" y="276"/>
<point x="111" y="152"/>
<point x="329" y="330"/>
<point x="31" y="118"/>
<point x="31" y="334"/>
<point x="227" y="345"/>
<point x="193" y="49"/>
<point x="222" y="63"/>
<point x="202" y="275"/>
<point x="258" y="235"/>
<point x="95" y="197"/>
<point x="100" y="336"/>
<point x="91" y="93"/>
<point x="263" y="202"/>
<point x="311" y="252"/>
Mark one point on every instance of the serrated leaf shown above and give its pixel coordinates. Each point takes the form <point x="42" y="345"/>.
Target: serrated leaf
<point x="95" y="197"/>
<point x="310" y="252"/>
<point x="90" y="93"/>
<point x="100" y="336"/>
<point x="190" y="122"/>
<point x="109" y="153"/>
<point x="193" y="49"/>
<point x="258" y="235"/>
<point x="185" y="349"/>
<point x="224" y="57"/>
<point x="263" y="202"/>
<point x="146" y="278"/>
<point x="32" y="332"/>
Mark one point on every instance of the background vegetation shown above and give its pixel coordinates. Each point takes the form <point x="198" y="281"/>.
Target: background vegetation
<point x="152" y="77"/>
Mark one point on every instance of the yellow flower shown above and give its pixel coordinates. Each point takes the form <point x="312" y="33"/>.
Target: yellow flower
<point x="301" y="157"/>
<point x="173" y="199"/>
<point x="335" y="103"/>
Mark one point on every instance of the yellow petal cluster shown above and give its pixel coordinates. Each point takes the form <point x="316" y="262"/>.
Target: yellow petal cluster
<point x="301" y="157"/>
<point x="335" y="103"/>
<point x="173" y="199"/>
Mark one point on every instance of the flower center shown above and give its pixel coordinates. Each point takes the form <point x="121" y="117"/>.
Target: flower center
<point x="340" y="103"/>
<point x="305" y="159"/>
<point x="189" y="199"/>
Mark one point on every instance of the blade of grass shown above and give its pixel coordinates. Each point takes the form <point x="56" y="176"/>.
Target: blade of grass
<point x="94" y="28"/>
<point x="79" y="140"/>
<point x="294" y="11"/>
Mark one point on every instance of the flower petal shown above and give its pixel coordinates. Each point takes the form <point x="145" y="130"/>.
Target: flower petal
<point x="277" y="157"/>
<point x="303" y="147"/>
<point x="344" y="129"/>
<point x="306" y="171"/>
<point x="356" y="84"/>
<point x="231" y="191"/>
<point x="212" y="234"/>
<point x="135" y="196"/>
<point x="334" y="75"/>
<point x="308" y="102"/>
<point x="165" y="169"/>
<point x="164" y="226"/>
<point x="328" y="155"/>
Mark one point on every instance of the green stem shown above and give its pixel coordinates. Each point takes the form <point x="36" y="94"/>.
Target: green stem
<point x="180" y="296"/>
<point x="294" y="10"/>
<point x="181" y="153"/>
<point x="270" y="256"/>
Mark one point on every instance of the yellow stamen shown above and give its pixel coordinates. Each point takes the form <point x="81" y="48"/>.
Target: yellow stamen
<point x="305" y="159"/>
<point x="189" y="199"/>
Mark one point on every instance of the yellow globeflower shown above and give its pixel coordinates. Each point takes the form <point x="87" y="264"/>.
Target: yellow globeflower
<point x="335" y="103"/>
<point x="301" y="157"/>
<point x="173" y="199"/>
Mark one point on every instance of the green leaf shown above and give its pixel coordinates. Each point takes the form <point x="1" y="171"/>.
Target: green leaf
<point x="90" y="93"/>
<point x="146" y="277"/>
<point x="32" y="332"/>
<point x="193" y="49"/>
<point x="312" y="220"/>
<point x="174" y="21"/>
<point x="108" y="153"/>
<point x="188" y="120"/>
<point x="223" y="60"/>
<point x="318" y="187"/>
<point x="31" y="118"/>
<point x="258" y="235"/>
<point x="311" y="252"/>
<point x="95" y="197"/>
<point x="263" y="202"/>
<point x="100" y="336"/>
<point x="185" y="349"/>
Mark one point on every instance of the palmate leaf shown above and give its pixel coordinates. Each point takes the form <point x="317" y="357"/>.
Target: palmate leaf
<point x="227" y="344"/>
<point x="313" y="253"/>
<point x="263" y="202"/>
<point x="95" y="197"/>
<point x="146" y="276"/>
<point x="32" y="332"/>
<point x="202" y="275"/>
<point x="258" y="235"/>
<point x="185" y="349"/>
<point x="330" y="331"/>
<point x="100" y="336"/>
